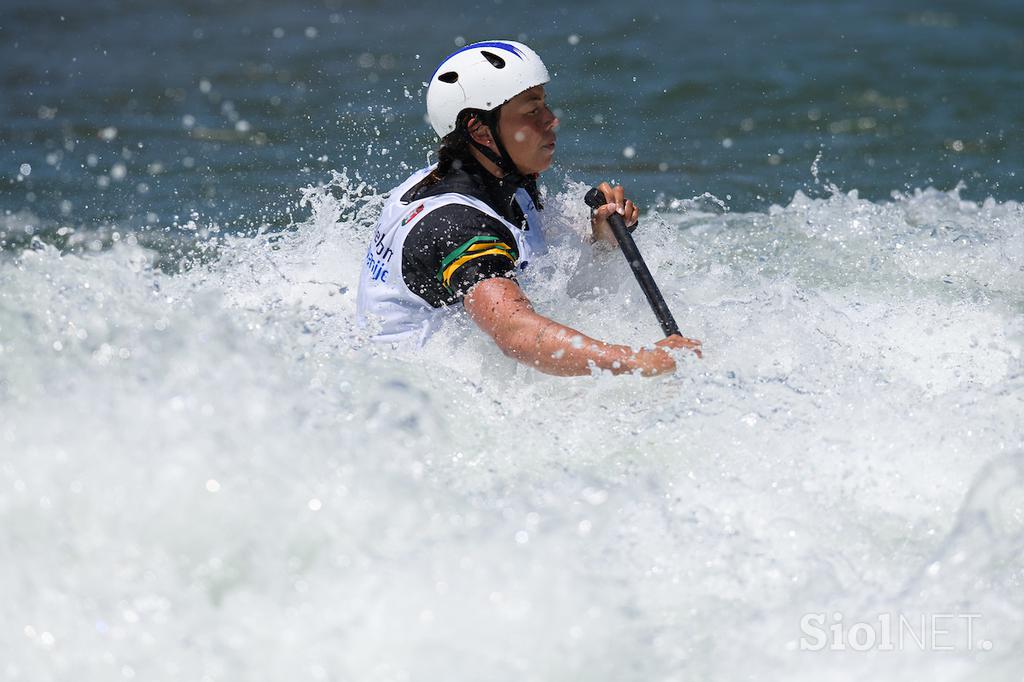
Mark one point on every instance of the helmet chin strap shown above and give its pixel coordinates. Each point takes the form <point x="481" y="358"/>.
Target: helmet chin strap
<point x="502" y="159"/>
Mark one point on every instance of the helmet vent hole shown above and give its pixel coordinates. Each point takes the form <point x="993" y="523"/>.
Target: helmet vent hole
<point x="496" y="61"/>
<point x="448" y="77"/>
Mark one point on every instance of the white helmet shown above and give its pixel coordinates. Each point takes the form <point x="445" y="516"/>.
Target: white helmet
<point x="481" y="76"/>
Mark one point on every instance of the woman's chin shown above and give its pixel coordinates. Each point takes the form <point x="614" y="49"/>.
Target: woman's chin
<point x="545" y="161"/>
<point x="538" y="164"/>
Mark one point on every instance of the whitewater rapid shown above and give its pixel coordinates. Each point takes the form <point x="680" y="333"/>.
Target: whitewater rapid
<point x="212" y="475"/>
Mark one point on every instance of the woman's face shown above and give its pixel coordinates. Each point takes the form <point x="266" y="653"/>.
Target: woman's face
<point x="527" y="128"/>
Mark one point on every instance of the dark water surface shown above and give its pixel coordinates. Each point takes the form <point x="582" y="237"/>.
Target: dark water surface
<point x="152" y="114"/>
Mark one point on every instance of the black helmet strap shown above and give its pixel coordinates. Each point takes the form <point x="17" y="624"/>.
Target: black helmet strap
<point x="502" y="159"/>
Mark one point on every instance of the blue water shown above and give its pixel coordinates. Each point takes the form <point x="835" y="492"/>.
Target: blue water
<point x="208" y="473"/>
<point x="225" y="108"/>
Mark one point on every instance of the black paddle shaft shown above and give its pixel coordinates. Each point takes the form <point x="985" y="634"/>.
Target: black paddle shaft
<point x="595" y="199"/>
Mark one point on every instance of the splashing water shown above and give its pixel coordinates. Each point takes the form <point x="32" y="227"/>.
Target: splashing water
<point x="212" y="475"/>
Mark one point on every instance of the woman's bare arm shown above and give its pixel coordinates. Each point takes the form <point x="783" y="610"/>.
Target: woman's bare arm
<point x="501" y="309"/>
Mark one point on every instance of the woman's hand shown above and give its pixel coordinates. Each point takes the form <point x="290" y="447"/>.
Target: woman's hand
<point x="651" y="362"/>
<point x="617" y="203"/>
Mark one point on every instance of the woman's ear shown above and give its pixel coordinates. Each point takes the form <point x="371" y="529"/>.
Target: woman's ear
<point x="480" y="133"/>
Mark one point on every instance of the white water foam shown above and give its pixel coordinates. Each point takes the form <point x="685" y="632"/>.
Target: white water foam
<point x="214" y="476"/>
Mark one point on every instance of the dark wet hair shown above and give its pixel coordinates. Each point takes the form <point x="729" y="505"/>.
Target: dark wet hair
<point x="454" y="152"/>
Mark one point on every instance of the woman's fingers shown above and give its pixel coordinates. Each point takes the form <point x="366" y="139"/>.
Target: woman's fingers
<point x="630" y="213"/>
<point x="617" y="195"/>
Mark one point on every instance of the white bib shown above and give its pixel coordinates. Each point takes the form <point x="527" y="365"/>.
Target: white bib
<point x="383" y="295"/>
